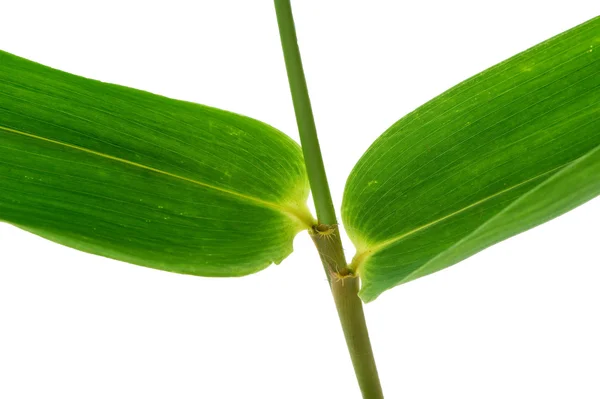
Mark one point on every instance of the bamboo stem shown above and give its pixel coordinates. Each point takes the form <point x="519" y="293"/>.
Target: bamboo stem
<point x="304" y="115"/>
<point x="344" y="285"/>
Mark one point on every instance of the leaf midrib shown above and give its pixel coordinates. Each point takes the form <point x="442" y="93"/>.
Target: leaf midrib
<point x="291" y="212"/>
<point x="562" y="169"/>
<point x="361" y="256"/>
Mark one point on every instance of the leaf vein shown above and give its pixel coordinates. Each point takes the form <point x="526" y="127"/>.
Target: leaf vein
<point x="292" y="213"/>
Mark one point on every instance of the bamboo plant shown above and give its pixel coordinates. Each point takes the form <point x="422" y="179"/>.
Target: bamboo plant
<point x="191" y="189"/>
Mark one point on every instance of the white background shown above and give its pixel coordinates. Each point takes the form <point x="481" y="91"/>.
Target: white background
<point x="519" y="320"/>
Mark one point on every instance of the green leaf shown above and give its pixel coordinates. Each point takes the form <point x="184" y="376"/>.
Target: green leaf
<point x="145" y="179"/>
<point x="506" y="150"/>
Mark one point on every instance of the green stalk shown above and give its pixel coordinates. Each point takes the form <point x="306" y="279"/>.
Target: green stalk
<point x="344" y="285"/>
<point x="304" y="115"/>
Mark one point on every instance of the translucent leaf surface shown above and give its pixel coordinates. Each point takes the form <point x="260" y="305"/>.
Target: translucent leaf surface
<point x="507" y="149"/>
<point x="145" y="179"/>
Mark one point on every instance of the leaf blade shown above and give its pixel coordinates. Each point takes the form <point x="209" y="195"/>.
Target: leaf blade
<point x="440" y="172"/>
<point x="145" y="179"/>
